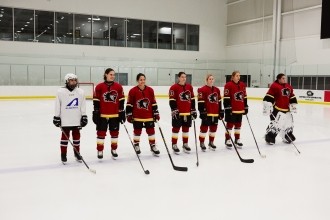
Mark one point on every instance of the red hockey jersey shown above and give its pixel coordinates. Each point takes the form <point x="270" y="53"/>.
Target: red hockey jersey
<point x="235" y="97"/>
<point x="281" y="95"/>
<point x="211" y="98"/>
<point x="141" y="102"/>
<point x="109" y="97"/>
<point x="182" y="98"/>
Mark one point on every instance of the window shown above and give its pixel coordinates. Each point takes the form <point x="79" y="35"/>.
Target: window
<point x="6" y="24"/>
<point x="100" y="30"/>
<point x="23" y="25"/>
<point x="327" y="83"/>
<point x="64" y="28"/>
<point x="117" y="32"/>
<point x="150" y="34"/>
<point x="121" y="78"/>
<point x="192" y="37"/>
<point x="44" y="21"/>
<point x="314" y="82"/>
<point x="179" y="36"/>
<point x="164" y="35"/>
<point x="134" y="33"/>
<point x="67" y="28"/>
<point x="320" y="83"/>
<point x="307" y="82"/>
<point x="83" y="29"/>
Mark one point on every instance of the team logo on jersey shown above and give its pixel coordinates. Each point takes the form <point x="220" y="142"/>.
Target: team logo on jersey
<point x="239" y="96"/>
<point x="185" y="96"/>
<point x="286" y="92"/>
<point x="110" y="96"/>
<point x="213" y="98"/>
<point x="143" y="103"/>
<point x="73" y="104"/>
<point x="171" y="93"/>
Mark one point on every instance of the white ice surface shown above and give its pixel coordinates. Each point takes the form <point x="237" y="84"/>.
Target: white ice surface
<point x="35" y="185"/>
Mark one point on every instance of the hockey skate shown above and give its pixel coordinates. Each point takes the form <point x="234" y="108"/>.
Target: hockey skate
<point x="186" y="148"/>
<point x="212" y="146"/>
<point x="100" y="154"/>
<point x="202" y="145"/>
<point x="63" y="158"/>
<point x="78" y="156"/>
<point x="228" y="144"/>
<point x="114" y="153"/>
<point x="154" y="149"/>
<point x="238" y="143"/>
<point x="137" y="148"/>
<point x="289" y="137"/>
<point x="175" y="148"/>
<point x="270" y="138"/>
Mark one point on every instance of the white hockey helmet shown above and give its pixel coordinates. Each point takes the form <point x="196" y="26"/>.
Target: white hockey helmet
<point x="69" y="76"/>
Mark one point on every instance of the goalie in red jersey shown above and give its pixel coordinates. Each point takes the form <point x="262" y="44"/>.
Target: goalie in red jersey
<point x="279" y="102"/>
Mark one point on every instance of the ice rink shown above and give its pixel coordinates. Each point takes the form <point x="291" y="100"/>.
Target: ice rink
<point x="283" y="186"/>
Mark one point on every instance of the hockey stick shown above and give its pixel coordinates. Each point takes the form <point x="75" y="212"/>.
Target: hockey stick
<point x="197" y="163"/>
<point x="242" y="160"/>
<point x="168" y="152"/>
<point x="288" y="135"/>
<point x="262" y="155"/>
<point x="129" y="136"/>
<point x="77" y="152"/>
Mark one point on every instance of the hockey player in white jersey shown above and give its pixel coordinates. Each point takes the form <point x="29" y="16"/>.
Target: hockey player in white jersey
<point x="70" y="114"/>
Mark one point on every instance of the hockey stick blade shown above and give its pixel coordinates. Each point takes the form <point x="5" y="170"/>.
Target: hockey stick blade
<point x="247" y="160"/>
<point x="184" y="169"/>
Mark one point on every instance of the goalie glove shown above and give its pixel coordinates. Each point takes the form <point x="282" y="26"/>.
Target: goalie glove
<point x="267" y="108"/>
<point x="293" y="108"/>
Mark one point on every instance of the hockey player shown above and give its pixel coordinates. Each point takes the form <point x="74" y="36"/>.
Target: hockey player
<point x="279" y="102"/>
<point x="182" y="103"/>
<point x="235" y="105"/>
<point x="70" y="114"/>
<point x="108" y="111"/>
<point x="142" y="111"/>
<point x="210" y="111"/>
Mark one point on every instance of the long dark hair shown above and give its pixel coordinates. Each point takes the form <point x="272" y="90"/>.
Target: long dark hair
<point x="108" y="70"/>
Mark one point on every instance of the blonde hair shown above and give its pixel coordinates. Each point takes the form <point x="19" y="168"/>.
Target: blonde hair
<point x="234" y="73"/>
<point x="208" y="76"/>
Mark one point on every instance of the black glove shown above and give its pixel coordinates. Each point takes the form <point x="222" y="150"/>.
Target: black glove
<point x="221" y="115"/>
<point x="193" y="113"/>
<point x="175" y="114"/>
<point x="202" y="115"/>
<point x="57" y="121"/>
<point x="83" y="121"/>
<point x="122" y="117"/>
<point x="96" y="117"/>
<point x="246" y="110"/>
<point x="228" y="111"/>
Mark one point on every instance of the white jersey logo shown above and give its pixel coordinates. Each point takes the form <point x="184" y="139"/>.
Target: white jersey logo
<point x="73" y="104"/>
